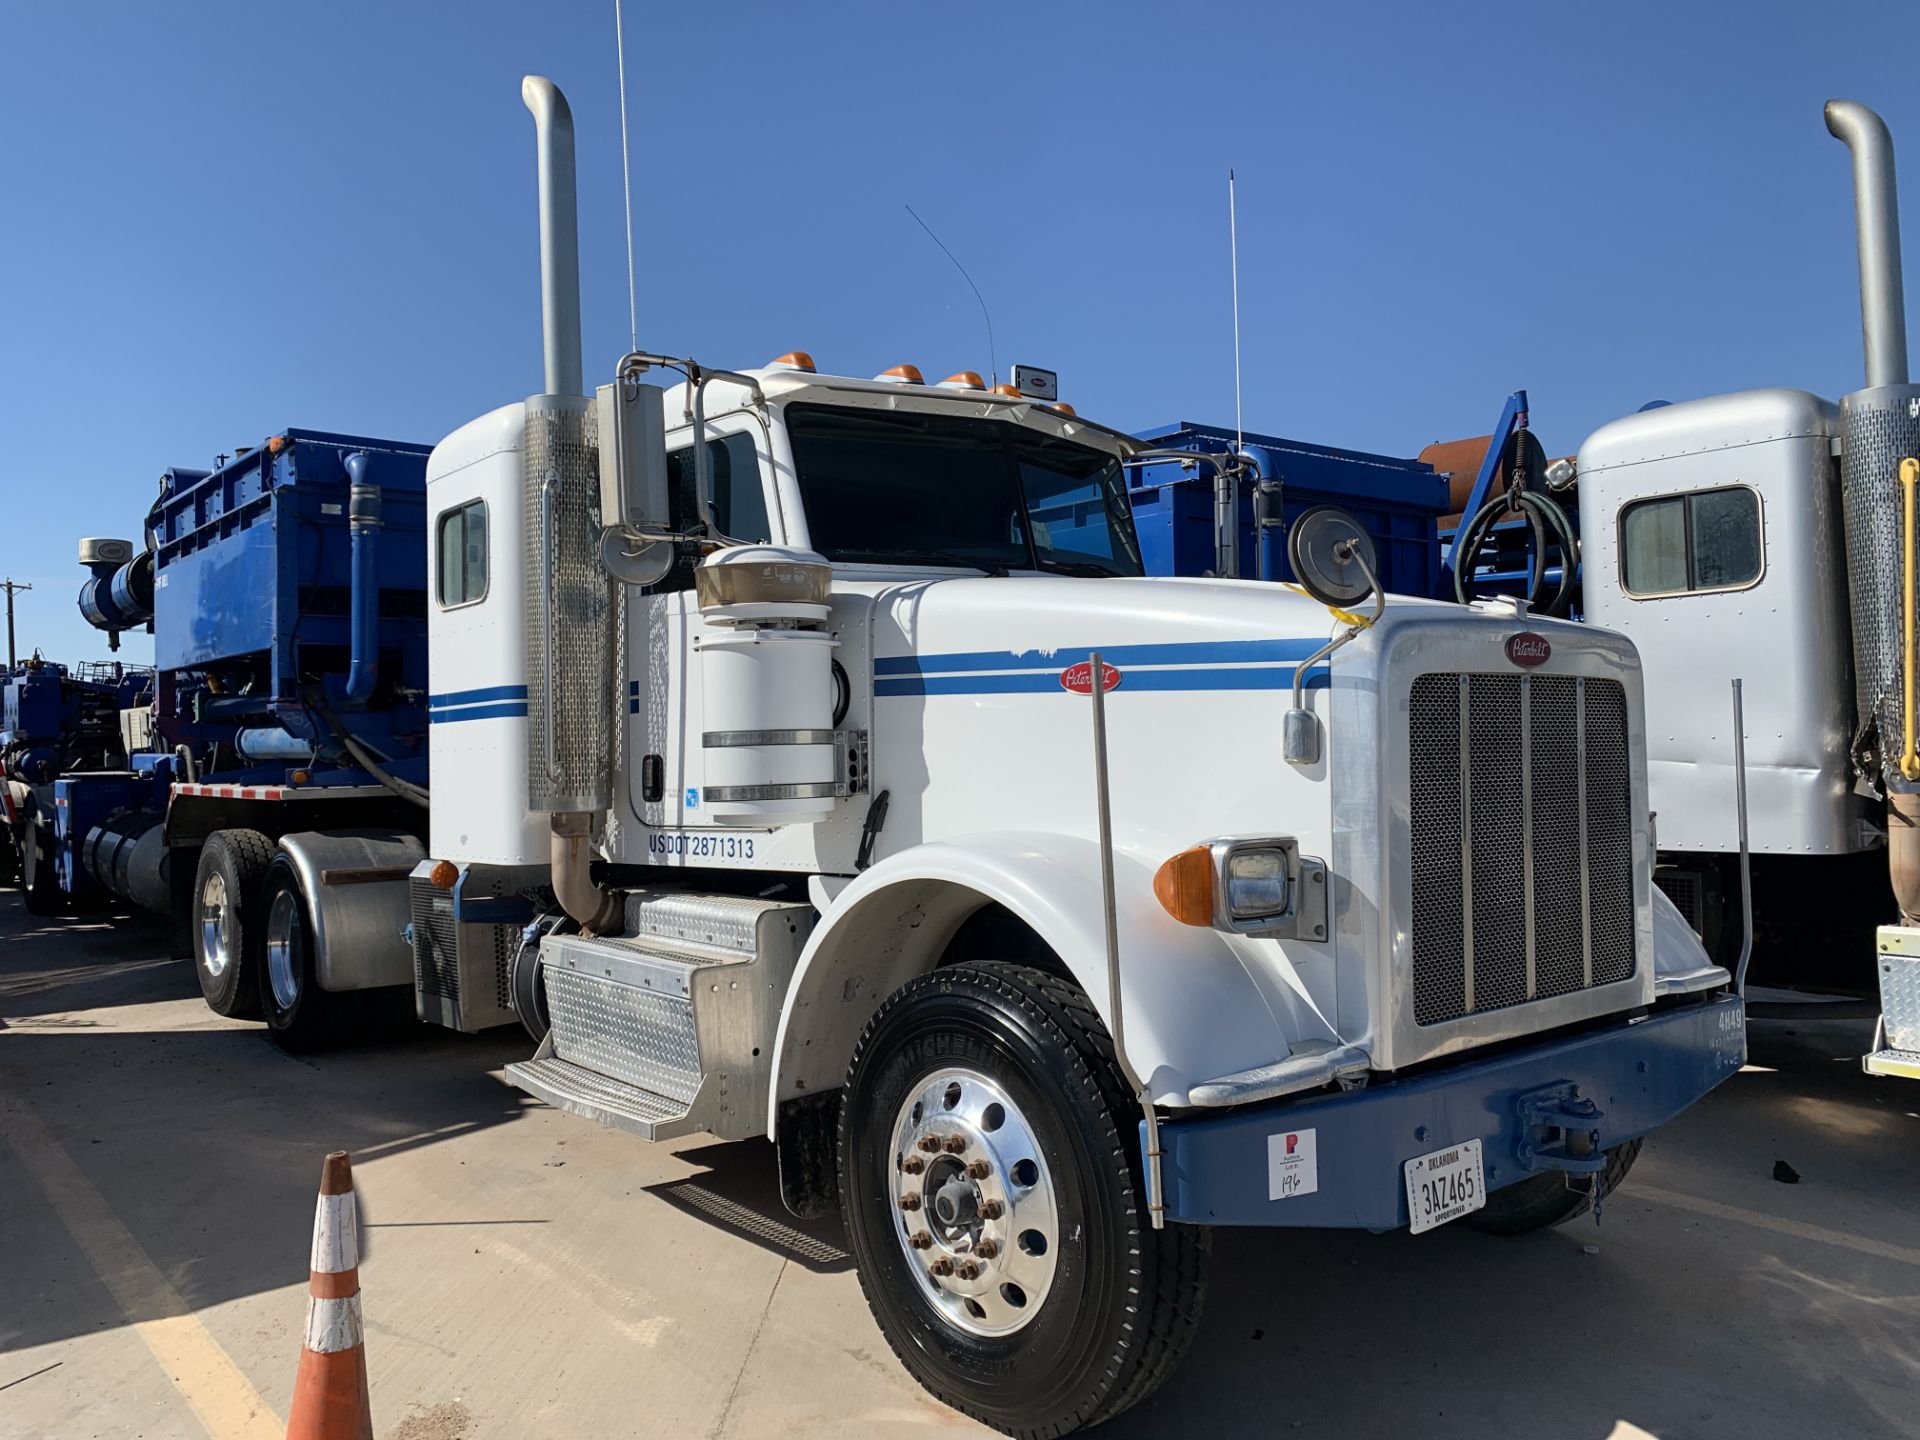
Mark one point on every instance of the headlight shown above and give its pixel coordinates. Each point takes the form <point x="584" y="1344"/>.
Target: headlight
<point x="1249" y="884"/>
<point x="1257" y="883"/>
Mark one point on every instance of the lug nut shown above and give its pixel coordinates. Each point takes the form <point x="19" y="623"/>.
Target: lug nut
<point x="967" y="1270"/>
<point x="943" y="1266"/>
<point x="913" y="1164"/>
<point x="979" y="1170"/>
<point x="920" y="1240"/>
<point x="909" y="1201"/>
<point x="930" y="1143"/>
<point x="987" y="1249"/>
<point x="992" y="1210"/>
<point x="955" y="1144"/>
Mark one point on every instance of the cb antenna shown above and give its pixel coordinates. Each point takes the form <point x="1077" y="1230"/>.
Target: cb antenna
<point x="993" y="360"/>
<point x="626" y="174"/>
<point x="1233" y="248"/>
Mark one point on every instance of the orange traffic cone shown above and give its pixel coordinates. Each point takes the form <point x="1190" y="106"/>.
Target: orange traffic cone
<point x="330" y="1392"/>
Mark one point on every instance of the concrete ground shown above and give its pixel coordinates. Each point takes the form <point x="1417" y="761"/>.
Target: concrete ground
<point x="527" y="1274"/>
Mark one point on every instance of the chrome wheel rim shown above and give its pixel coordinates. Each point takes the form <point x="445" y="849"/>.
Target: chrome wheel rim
<point x="284" y="937"/>
<point x="216" y="925"/>
<point x="973" y="1201"/>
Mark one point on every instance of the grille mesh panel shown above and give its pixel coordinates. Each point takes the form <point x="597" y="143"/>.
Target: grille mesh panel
<point x="1509" y="791"/>
<point x="436" y="968"/>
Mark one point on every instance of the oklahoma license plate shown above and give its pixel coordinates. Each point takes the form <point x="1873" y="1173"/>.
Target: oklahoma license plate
<point x="1445" y="1185"/>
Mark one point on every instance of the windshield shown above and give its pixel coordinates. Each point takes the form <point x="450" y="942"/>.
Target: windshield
<point x="905" y="488"/>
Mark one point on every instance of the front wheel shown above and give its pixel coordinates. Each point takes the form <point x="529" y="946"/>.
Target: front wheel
<point x="990" y="1182"/>
<point x="1550" y="1199"/>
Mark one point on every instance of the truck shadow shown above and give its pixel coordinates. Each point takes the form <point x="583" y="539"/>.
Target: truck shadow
<point x="740" y="1193"/>
<point x="203" y="1140"/>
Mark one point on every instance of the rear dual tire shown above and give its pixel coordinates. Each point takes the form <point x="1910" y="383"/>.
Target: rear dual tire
<point x="39" y="881"/>
<point x="300" y="1015"/>
<point x="226" y="910"/>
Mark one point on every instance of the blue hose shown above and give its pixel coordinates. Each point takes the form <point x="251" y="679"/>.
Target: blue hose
<point x="363" y="523"/>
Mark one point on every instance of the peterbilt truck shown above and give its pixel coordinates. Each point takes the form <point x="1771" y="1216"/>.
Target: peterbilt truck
<point x="1769" y="537"/>
<point x="813" y="789"/>
<point x="811" y="760"/>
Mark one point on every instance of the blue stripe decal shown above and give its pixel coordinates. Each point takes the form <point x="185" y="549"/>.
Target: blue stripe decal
<point x="470" y="697"/>
<point x="1277" y="677"/>
<point x="1188" y="652"/>
<point x="507" y="711"/>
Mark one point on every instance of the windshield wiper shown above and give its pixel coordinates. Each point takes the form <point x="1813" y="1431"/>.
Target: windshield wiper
<point x="1083" y="567"/>
<point x="891" y="556"/>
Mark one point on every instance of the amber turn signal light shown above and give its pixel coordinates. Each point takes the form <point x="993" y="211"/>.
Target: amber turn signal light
<point x="1184" y="886"/>
<point x="445" y="872"/>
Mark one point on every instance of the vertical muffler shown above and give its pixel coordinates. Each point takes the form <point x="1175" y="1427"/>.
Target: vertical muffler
<point x="570" y="616"/>
<point x="1880" y="425"/>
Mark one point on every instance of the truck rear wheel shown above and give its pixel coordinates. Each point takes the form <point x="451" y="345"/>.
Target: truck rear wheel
<point x="990" y="1182"/>
<point x="300" y="1015"/>
<point x="226" y="910"/>
<point x="39" y="881"/>
<point x="1550" y="1199"/>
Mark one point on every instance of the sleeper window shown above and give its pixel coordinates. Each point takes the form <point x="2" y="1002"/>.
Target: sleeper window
<point x="1702" y="540"/>
<point x="463" y="554"/>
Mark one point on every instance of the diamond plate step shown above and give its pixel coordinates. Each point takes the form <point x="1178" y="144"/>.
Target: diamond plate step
<point x="580" y="1091"/>
<point x="680" y="1012"/>
<point x="1905" y="1064"/>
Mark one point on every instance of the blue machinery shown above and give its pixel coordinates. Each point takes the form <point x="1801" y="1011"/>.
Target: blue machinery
<point x="1403" y="504"/>
<point x="286" y="591"/>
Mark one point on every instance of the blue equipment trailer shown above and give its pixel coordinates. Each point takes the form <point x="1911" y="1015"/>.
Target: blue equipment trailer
<point x="286" y="592"/>
<point x="1403" y="504"/>
<point x="1399" y="501"/>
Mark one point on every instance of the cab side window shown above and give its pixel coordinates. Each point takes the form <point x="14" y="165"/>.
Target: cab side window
<point x="1703" y="540"/>
<point x="461" y="547"/>
<point x="739" y="500"/>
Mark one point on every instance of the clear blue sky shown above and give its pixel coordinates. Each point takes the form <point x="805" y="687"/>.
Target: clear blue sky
<point x="223" y="219"/>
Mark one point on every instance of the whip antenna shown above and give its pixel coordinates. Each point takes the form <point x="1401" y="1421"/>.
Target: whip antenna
<point x="993" y="360"/>
<point x="626" y="174"/>
<point x="1233" y="246"/>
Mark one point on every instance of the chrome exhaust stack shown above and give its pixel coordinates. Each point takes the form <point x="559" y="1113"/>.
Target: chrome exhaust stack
<point x="1876" y="208"/>
<point x="570" y="631"/>
<point x="559" y="234"/>
<point x="1880" y="426"/>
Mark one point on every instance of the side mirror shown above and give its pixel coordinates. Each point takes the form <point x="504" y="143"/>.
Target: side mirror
<point x="633" y="456"/>
<point x="633" y="481"/>
<point x="1334" y="561"/>
<point x="1332" y="556"/>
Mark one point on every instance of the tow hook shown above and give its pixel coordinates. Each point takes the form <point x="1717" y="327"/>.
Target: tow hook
<point x="1560" y="1130"/>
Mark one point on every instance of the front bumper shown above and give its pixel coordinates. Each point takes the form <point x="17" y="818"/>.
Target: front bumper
<point x="1226" y="1168"/>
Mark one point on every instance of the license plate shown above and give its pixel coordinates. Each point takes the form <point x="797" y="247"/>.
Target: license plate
<point x="1445" y="1185"/>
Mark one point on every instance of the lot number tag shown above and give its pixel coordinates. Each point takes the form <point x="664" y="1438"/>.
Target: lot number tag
<point x="1293" y="1164"/>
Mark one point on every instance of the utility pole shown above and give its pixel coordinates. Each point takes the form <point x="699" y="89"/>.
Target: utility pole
<point x="10" y="585"/>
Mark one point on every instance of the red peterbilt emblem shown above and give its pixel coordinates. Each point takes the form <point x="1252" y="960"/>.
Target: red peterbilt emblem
<point x="1079" y="678"/>
<point x="1528" y="649"/>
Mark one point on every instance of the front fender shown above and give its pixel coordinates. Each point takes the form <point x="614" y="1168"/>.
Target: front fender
<point x="1680" y="962"/>
<point x="1198" y="1003"/>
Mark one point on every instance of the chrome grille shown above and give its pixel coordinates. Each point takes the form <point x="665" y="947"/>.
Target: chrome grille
<point x="1522" y="844"/>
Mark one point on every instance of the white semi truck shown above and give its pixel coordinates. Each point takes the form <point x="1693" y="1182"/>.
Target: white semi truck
<point x="790" y="780"/>
<point x="1770" y="537"/>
